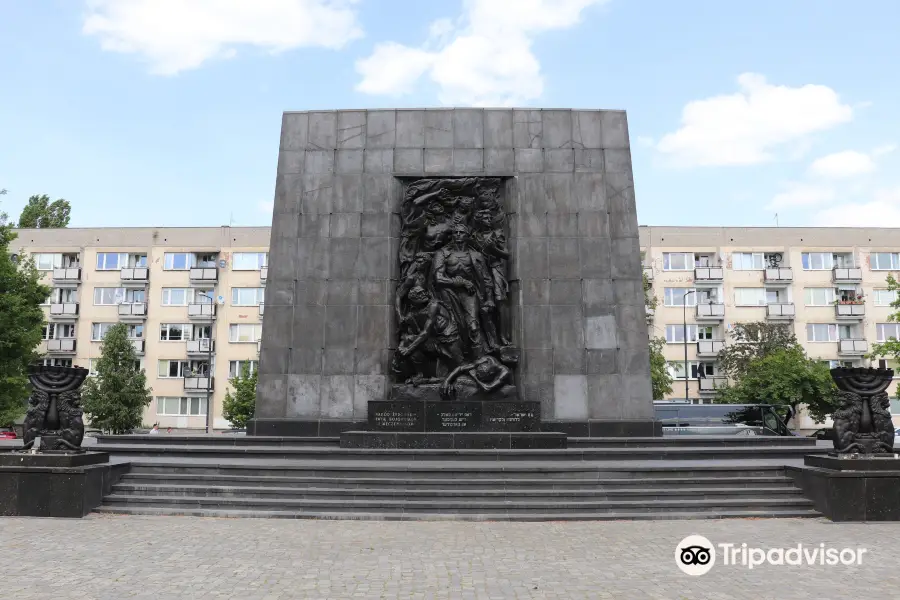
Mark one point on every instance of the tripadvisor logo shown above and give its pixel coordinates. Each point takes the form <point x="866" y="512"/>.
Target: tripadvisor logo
<point x="696" y="555"/>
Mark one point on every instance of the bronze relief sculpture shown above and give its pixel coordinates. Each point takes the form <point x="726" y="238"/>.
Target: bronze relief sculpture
<point x="452" y="302"/>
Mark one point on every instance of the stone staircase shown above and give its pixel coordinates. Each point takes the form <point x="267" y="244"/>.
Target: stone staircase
<point x="595" y="478"/>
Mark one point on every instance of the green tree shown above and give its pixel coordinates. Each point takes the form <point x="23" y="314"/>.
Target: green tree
<point x="785" y="377"/>
<point x="660" y="377"/>
<point x="238" y="407"/>
<point x="21" y="319"/>
<point x="41" y="213"/>
<point x="659" y="369"/>
<point x="751" y="341"/>
<point x="116" y="396"/>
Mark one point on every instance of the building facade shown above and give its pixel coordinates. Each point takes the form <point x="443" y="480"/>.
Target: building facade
<point x="193" y="300"/>
<point x="828" y="284"/>
<point x="191" y="295"/>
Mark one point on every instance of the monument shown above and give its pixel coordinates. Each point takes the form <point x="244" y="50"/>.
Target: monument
<point x="454" y="269"/>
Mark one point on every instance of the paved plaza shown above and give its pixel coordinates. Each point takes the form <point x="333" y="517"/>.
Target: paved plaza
<point x="115" y="557"/>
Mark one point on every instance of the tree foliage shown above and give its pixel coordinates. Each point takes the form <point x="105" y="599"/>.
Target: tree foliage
<point x="41" y="213"/>
<point x="785" y="377"/>
<point x="116" y="396"/>
<point x="659" y="369"/>
<point x="766" y="365"/>
<point x="21" y="319"/>
<point x="751" y="341"/>
<point x="238" y="407"/>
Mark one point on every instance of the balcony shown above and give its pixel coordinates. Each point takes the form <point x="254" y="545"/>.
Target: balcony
<point x="204" y="274"/>
<point x="198" y="383"/>
<point x="262" y="308"/>
<point x="138" y="346"/>
<point x="782" y="275"/>
<point x="709" y="348"/>
<point x="846" y="275"/>
<point x="201" y="346"/>
<point x="850" y="312"/>
<point x="651" y="312"/>
<point x="61" y="346"/>
<point x="648" y="273"/>
<point x="264" y="274"/>
<point x="64" y="311"/>
<point x="709" y="385"/>
<point x="203" y="311"/>
<point x="711" y="275"/>
<point x="71" y="275"/>
<point x="136" y="311"/>
<point x="853" y="347"/>
<point x="781" y="311"/>
<point x="135" y="276"/>
<point x="710" y="312"/>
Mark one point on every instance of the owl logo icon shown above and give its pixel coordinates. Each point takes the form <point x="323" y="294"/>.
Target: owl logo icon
<point x="695" y="555"/>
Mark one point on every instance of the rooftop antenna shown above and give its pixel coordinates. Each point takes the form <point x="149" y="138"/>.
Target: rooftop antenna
<point x="776" y="220"/>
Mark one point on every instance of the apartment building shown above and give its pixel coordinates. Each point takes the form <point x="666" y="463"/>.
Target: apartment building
<point x="193" y="300"/>
<point x="828" y="284"/>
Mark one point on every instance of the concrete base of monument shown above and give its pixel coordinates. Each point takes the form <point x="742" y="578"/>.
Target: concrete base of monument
<point x="56" y="459"/>
<point x="443" y="440"/>
<point x="470" y="415"/>
<point x="852" y="489"/>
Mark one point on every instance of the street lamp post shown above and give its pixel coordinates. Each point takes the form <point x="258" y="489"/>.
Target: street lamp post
<point x="684" y="334"/>
<point x="209" y="369"/>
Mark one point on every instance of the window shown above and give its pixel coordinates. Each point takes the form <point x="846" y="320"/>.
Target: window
<point x="108" y="296"/>
<point x="748" y="261"/>
<point x="169" y="369"/>
<point x="135" y="332"/>
<point x="99" y="330"/>
<point x="821" y="332"/>
<point x="247" y="296"/>
<point x="135" y="296"/>
<point x="706" y="332"/>
<point x="678" y="261"/>
<point x="249" y="261"/>
<point x="775" y="296"/>
<point x="202" y="332"/>
<point x="177" y="261"/>
<point x="55" y="362"/>
<point x="886" y="331"/>
<point x="885" y="297"/>
<point x="137" y="260"/>
<point x="676" y="297"/>
<point x="174" y="332"/>
<point x="203" y="296"/>
<point x="750" y="296"/>
<point x="675" y="334"/>
<point x="819" y="296"/>
<point x="887" y="363"/>
<point x="205" y="260"/>
<point x="702" y="369"/>
<point x="236" y="367"/>
<point x="47" y="262"/>
<point x="244" y="332"/>
<point x="180" y="407"/>
<point x="48" y="331"/>
<point x="176" y="296"/>
<point x="92" y="368"/>
<point x="833" y="364"/>
<point x="58" y="331"/>
<point x="885" y="261"/>
<point x="817" y="261"/>
<point x="111" y="261"/>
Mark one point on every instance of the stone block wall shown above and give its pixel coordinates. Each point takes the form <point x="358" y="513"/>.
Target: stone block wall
<point x="578" y="303"/>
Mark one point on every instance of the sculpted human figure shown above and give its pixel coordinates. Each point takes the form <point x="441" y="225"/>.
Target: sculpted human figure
<point x="416" y="275"/>
<point x="425" y="227"/>
<point x="429" y="335"/>
<point x="486" y="371"/>
<point x="463" y="276"/>
<point x="491" y="241"/>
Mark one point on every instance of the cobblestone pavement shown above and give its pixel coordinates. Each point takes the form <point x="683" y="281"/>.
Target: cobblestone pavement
<point x="117" y="557"/>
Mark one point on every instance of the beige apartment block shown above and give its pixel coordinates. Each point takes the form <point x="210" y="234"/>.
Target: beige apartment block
<point x="828" y="284"/>
<point x="188" y="295"/>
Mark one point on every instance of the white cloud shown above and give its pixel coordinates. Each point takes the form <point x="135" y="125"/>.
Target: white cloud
<point x="483" y="59"/>
<point x="882" y="211"/>
<point x="841" y="165"/>
<point x="801" y="194"/>
<point x="749" y="126"/>
<point x="177" y="35"/>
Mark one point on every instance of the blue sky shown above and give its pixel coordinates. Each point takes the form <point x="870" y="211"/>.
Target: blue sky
<point x="167" y="112"/>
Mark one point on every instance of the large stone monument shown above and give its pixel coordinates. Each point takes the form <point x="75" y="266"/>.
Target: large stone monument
<point x="481" y="258"/>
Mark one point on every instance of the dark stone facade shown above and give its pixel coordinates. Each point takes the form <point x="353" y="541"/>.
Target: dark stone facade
<point x="575" y="295"/>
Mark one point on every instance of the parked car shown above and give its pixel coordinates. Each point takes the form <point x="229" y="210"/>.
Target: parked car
<point x="7" y="434"/>
<point x="826" y="433"/>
